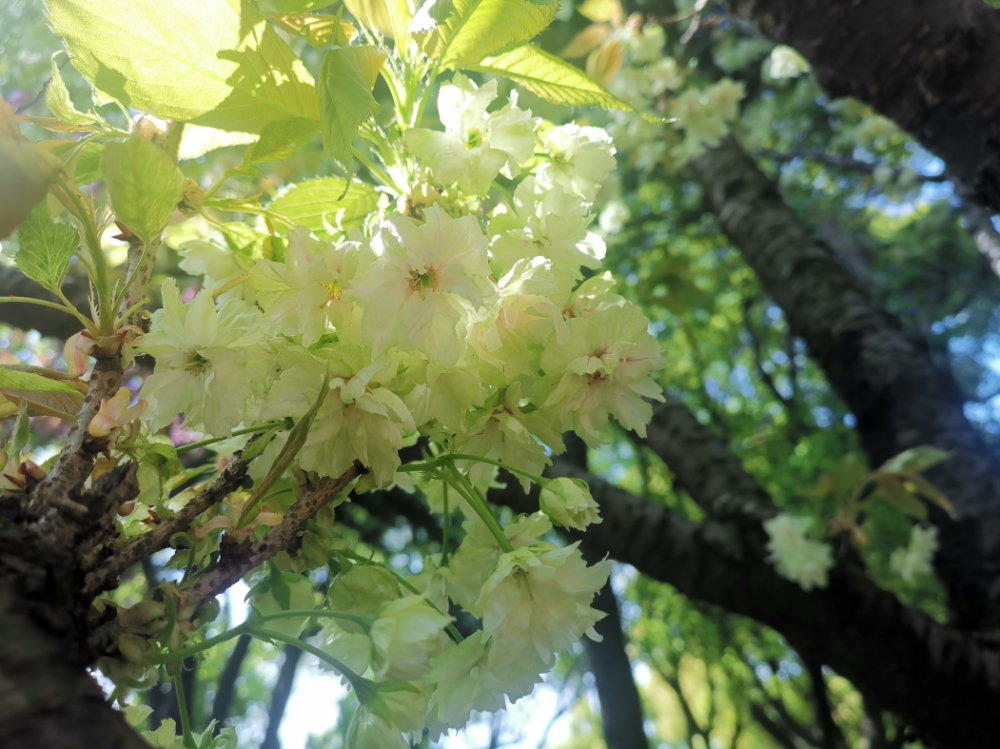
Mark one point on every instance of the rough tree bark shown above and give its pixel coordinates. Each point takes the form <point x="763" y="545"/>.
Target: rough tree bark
<point x="930" y="65"/>
<point x="937" y="678"/>
<point x="886" y="377"/>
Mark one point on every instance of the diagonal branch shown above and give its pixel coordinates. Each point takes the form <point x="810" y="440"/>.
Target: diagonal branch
<point x="887" y="378"/>
<point x="941" y="680"/>
<point x="283" y="537"/>
<point x="231" y="479"/>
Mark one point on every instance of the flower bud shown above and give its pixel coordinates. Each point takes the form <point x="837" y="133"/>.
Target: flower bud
<point x="192" y="199"/>
<point x="568" y="503"/>
<point x="371" y="731"/>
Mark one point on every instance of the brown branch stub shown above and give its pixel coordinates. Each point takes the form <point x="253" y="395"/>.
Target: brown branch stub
<point x="76" y="461"/>
<point x="283" y="537"/>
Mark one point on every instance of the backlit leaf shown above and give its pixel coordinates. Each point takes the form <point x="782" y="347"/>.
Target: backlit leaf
<point x="214" y="62"/>
<point x="322" y="205"/>
<point x="144" y="184"/>
<point x="550" y="78"/>
<point x="45" y="248"/>
<point x="346" y="101"/>
<point x="479" y="28"/>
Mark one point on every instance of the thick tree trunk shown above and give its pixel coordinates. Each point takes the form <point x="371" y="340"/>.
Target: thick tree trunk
<point x="886" y="377"/>
<point x="47" y="699"/>
<point x="933" y="66"/>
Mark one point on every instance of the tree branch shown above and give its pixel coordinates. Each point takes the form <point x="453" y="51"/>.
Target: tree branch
<point x="282" y="537"/>
<point x="830" y="731"/>
<point x="940" y="679"/>
<point x="887" y="378"/>
<point x="231" y="479"/>
<point x="933" y="67"/>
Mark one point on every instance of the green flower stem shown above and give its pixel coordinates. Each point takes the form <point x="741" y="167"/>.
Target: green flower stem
<point x="451" y="457"/>
<point x="362" y="687"/>
<point x="246" y="628"/>
<point x="67" y="308"/>
<point x="372" y="167"/>
<point x="236" y="433"/>
<point x="444" y="533"/>
<point x="182" y="708"/>
<point x="475" y="499"/>
<point x="97" y="259"/>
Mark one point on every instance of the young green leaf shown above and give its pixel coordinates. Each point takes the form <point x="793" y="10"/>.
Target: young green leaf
<point x="215" y="62"/>
<point x="322" y="205"/>
<point x="144" y="184"/>
<point x="550" y="78"/>
<point x="479" y="28"/>
<point x="389" y="17"/>
<point x="345" y="97"/>
<point x="914" y="460"/>
<point x="319" y="29"/>
<point x="279" y="140"/>
<point x="16" y="380"/>
<point x="45" y="248"/>
<point x="58" y="101"/>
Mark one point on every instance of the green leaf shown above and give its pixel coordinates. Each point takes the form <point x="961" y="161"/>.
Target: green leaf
<point x="552" y="79"/>
<point x="320" y="30"/>
<point x="279" y="140"/>
<point x="480" y="28"/>
<point x="345" y="97"/>
<point x="298" y="6"/>
<point x="896" y="494"/>
<point x="144" y="184"/>
<point x="217" y="63"/>
<point x="45" y="248"/>
<point x="914" y="460"/>
<point x="389" y="17"/>
<point x="22" y="432"/>
<point x="16" y="380"/>
<point x="323" y="206"/>
<point x="58" y="101"/>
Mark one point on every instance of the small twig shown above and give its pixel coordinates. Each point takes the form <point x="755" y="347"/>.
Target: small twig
<point x="229" y="480"/>
<point x="699" y="8"/>
<point x="282" y="537"/>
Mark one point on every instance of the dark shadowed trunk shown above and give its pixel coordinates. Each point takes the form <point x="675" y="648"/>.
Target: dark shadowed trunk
<point x="226" y="690"/>
<point x="886" y="377"/>
<point x="933" y="66"/>
<point x="279" y="697"/>
<point x="621" y="708"/>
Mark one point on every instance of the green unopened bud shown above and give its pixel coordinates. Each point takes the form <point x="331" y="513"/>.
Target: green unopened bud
<point x="568" y="503"/>
<point x="140" y="615"/>
<point x="192" y="199"/>
<point x="133" y="647"/>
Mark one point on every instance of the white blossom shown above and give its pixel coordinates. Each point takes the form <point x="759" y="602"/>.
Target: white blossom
<point x="915" y="560"/>
<point x="796" y="556"/>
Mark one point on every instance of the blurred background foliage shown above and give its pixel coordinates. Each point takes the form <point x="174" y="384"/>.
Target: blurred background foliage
<point x="708" y="680"/>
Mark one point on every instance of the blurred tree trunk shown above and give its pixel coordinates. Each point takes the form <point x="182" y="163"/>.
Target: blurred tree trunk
<point x="886" y="378"/>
